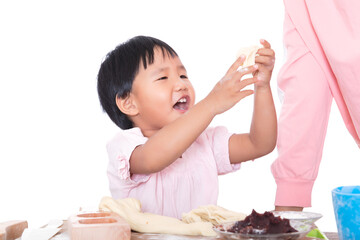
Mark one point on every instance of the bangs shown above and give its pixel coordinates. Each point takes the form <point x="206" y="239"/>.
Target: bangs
<point x="141" y="49"/>
<point x="148" y="58"/>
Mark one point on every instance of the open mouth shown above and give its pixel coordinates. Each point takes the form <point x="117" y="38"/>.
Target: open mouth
<point x="182" y="104"/>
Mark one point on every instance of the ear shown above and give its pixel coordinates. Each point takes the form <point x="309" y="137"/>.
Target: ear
<point x="127" y="105"/>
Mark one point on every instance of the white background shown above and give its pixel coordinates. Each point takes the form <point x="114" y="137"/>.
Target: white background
<point x="53" y="131"/>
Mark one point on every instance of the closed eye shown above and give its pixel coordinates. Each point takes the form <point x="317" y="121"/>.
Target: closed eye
<point x="183" y="76"/>
<point x="162" y="78"/>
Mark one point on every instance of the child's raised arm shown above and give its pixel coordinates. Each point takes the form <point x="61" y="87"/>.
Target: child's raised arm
<point x="170" y="142"/>
<point x="261" y="139"/>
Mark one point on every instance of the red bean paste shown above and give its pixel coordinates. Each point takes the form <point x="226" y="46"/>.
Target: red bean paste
<point x="257" y="223"/>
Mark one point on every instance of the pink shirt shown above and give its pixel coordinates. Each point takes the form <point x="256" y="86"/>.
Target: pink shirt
<point x="189" y="182"/>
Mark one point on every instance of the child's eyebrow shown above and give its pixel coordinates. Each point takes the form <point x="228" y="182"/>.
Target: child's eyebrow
<point x="181" y="67"/>
<point x="159" y="70"/>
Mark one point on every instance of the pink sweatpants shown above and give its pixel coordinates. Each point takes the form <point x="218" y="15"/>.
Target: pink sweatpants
<point x="322" y="41"/>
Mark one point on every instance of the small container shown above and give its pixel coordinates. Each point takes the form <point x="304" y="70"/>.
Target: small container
<point x="98" y="226"/>
<point x="346" y="202"/>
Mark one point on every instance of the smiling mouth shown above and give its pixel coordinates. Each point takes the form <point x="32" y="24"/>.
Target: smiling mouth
<point x="182" y="104"/>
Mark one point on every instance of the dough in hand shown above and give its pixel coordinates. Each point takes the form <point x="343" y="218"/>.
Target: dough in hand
<point x="214" y="214"/>
<point x="130" y="210"/>
<point x="250" y="53"/>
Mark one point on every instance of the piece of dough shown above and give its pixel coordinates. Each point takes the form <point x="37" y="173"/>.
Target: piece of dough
<point x="250" y="53"/>
<point x="130" y="210"/>
<point x="211" y="213"/>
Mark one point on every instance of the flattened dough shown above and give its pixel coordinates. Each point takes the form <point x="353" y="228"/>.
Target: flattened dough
<point x="211" y="213"/>
<point x="250" y="53"/>
<point x="130" y="210"/>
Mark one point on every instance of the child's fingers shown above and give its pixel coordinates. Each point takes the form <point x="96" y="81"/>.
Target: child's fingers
<point x="246" y="82"/>
<point x="239" y="61"/>
<point x="265" y="43"/>
<point x="246" y="70"/>
<point x="245" y="93"/>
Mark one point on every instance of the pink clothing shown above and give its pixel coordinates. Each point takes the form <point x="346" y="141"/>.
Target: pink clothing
<point x="322" y="39"/>
<point x="189" y="182"/>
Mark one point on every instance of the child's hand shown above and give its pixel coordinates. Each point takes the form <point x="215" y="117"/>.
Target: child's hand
<point x="229" y="90"/>
<point x="265" y="61"/>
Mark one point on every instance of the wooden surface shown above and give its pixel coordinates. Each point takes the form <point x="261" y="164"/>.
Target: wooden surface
<point x="142" y="236"/>
<point x="332" y="236"/>
<point x="12" y="229"/>
<point x="98" y="225"/>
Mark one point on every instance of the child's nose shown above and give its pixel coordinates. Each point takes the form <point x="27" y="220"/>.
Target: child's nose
<point x="180" y="84"/>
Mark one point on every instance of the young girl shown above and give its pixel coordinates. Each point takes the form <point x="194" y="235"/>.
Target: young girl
<point x="166" y="156"/>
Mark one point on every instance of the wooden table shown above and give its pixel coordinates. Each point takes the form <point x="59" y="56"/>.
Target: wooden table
<point x="141" y="236"/>
<point x="332" y="235"/>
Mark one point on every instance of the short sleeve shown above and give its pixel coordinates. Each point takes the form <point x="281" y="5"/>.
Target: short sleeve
<point x="219" y="141"/>
<point x="119" y="151"/>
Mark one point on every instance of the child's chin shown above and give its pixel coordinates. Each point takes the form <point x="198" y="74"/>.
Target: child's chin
<point x="181" y="111"/>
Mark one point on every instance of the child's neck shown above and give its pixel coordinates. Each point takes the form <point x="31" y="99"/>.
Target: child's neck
<point x="147" y="132"/>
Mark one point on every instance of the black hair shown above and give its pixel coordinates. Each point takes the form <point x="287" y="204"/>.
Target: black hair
<point x="118" y="70"/>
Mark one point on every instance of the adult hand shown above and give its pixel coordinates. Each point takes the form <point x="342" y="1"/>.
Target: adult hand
<point x="286" y="208"/>
<point x="265" y="60"/>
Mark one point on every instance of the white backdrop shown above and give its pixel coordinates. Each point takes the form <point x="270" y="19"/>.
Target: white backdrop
<point x="53" y="131"/>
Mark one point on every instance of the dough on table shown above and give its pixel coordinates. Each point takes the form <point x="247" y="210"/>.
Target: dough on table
<point x="250" y="53"/>
<point x="211" y="213"/>
<point x="130" y="210"/>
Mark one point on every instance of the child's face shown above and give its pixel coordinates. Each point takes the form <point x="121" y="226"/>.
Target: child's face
<point x="162" y="92"/>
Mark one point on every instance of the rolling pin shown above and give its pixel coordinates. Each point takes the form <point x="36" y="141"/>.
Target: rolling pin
<point x="12" y="230"/>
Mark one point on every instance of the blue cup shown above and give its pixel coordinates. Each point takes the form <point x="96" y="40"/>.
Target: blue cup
<point x="346" y="202"/>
